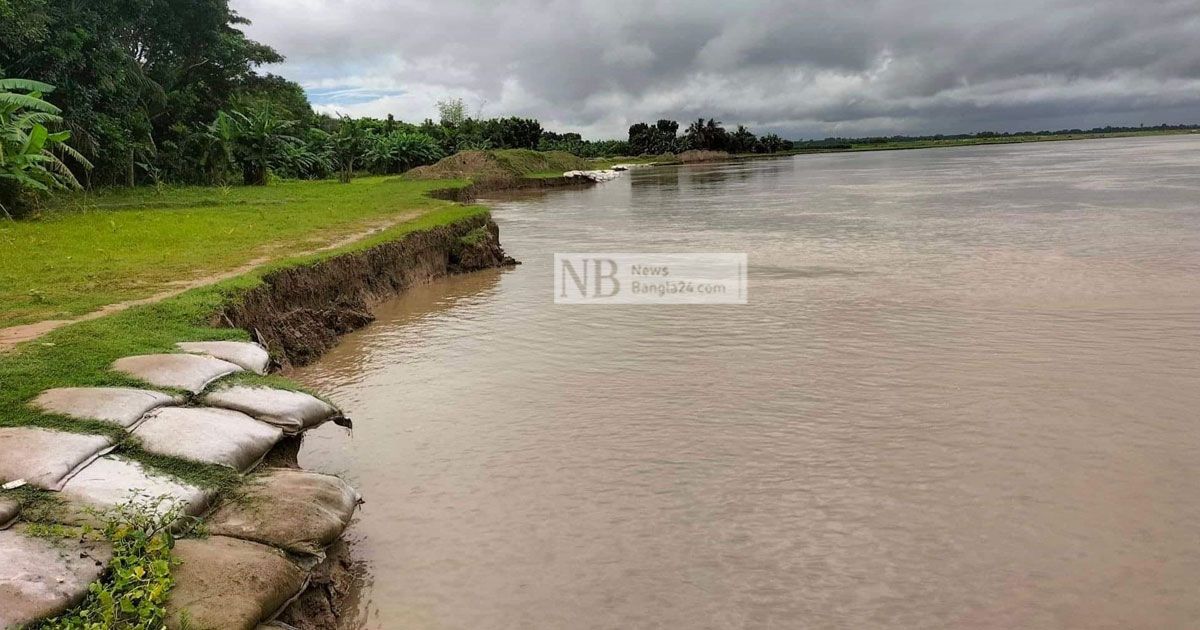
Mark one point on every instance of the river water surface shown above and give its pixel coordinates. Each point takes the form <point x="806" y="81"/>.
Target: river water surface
<point x="965" y="393"/>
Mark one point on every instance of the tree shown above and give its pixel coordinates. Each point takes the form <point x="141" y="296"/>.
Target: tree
<point x="708" y="136"/>
<point x="30" y="154"/>
<point x="742" y="141"/>
<point x="772" y="143"/>
<point x="512" y="132"/>
<point x="215" y="142"/>
<point x="653" y="139"/>
<point x="285" y="97"/>
<point x="349" y="145"/>
<point x="452" y="112"/>
<point x="135" y="77"/>
<point x="259" y="139"/>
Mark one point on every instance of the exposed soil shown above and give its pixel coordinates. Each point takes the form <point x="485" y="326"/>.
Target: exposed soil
<point x="469" y="194"/>
<point x="475" y="165"/>
<point x="691" y="157"/>
<point x="330" y="600"/>
<point x="509" y="165"/>
<point x="300" y="312"/>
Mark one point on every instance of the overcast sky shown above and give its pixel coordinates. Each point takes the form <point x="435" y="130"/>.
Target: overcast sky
<point x="802" y="68"/>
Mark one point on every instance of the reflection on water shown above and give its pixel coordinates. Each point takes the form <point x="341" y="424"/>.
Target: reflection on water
<point x="964" y="394"/>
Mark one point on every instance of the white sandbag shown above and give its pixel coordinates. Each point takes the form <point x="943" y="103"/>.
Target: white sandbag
<point x="204" y="434"/>
<point x="229" y="584"/>
<point x="247" y="355"/>
<point x="122" y="406"/>
<point x="295" y="510"/>
<point x="111" y="481"/>
<point x="45" y="458"/>
<point x="41" y="577"/>
<point x="190" y="372"/>
<point x="293" y="412"/>
<point x="9" y="510"/>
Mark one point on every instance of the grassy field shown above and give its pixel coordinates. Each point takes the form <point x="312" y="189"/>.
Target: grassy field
<point x="79" y="354"/>
<point x="89" y="250"/>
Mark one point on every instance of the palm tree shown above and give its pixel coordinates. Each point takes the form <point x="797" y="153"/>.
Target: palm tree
<point x="30" y="154"/>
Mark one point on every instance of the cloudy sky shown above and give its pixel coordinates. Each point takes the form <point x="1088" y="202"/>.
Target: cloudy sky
<point x="802" y="68"/>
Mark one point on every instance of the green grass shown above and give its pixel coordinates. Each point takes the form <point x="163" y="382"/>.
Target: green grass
<point x="79" y="354"/>
<point x="90" y="250"/>
<point x="538" y="164"/>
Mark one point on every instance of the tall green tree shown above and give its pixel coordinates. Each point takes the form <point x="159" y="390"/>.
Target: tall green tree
<point x="261" y="139"/>
<point x="135" y="77"/>
<point x="349" y="147"/>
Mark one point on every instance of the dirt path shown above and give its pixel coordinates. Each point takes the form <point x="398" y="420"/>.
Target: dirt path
<point x="13" y="335"/>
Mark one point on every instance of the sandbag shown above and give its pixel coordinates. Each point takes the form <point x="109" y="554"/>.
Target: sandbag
<point x="45" y="458"/>
<point x="247" y="355"/>
<point x="296" y="510"/>
<point x="41" y="577"/>
<point x="224" y="583"/>
<point x="122" y="406"/>
<point x="9" y="510"/>
<point x="294" y="412"/>
<point x="111" y="481"/>
<point x="189" y="372"/>
<point x="204" y="434"/>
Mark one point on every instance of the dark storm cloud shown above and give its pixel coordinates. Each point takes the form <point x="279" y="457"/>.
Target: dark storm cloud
<point x="809" y="67"/>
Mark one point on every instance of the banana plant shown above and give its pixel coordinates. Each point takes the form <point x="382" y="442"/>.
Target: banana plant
<point x="30" y="154"/>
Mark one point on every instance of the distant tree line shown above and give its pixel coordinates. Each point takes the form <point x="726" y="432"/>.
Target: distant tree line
<point x="846" y="143"/>
<point x="707" y="135"/>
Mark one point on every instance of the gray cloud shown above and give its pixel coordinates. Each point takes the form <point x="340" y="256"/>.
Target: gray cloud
<point x="800" y="67"/>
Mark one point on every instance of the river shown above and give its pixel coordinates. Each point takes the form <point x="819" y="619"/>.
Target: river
<point x="965" y="393"/>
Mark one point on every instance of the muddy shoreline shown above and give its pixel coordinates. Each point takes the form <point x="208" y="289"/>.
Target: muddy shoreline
<point x="299" y="313"/>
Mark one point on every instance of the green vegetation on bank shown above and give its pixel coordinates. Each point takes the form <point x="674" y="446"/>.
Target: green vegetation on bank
<point x="830" y="145"/>
<point x="92" y="249"/>
<point x="139" y="575"/>
<point x="79" y="354"/>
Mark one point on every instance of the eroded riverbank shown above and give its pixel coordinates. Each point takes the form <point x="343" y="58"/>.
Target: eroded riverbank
<point x="189" y="434"/>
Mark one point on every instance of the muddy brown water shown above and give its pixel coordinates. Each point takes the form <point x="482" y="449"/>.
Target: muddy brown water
<point x="965" y="393"/>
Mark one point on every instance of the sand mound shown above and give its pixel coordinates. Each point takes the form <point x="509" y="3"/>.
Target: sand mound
<point x="507" y="164"/>
<point x="465" y="165"/>
<point x="689" y="157"/>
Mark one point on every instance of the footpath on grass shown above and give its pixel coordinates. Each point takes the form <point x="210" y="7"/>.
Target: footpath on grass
<point x="168" y="407"/>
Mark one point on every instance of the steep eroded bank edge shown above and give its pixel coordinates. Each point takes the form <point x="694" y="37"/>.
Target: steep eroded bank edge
<point x="299" y="312"/>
